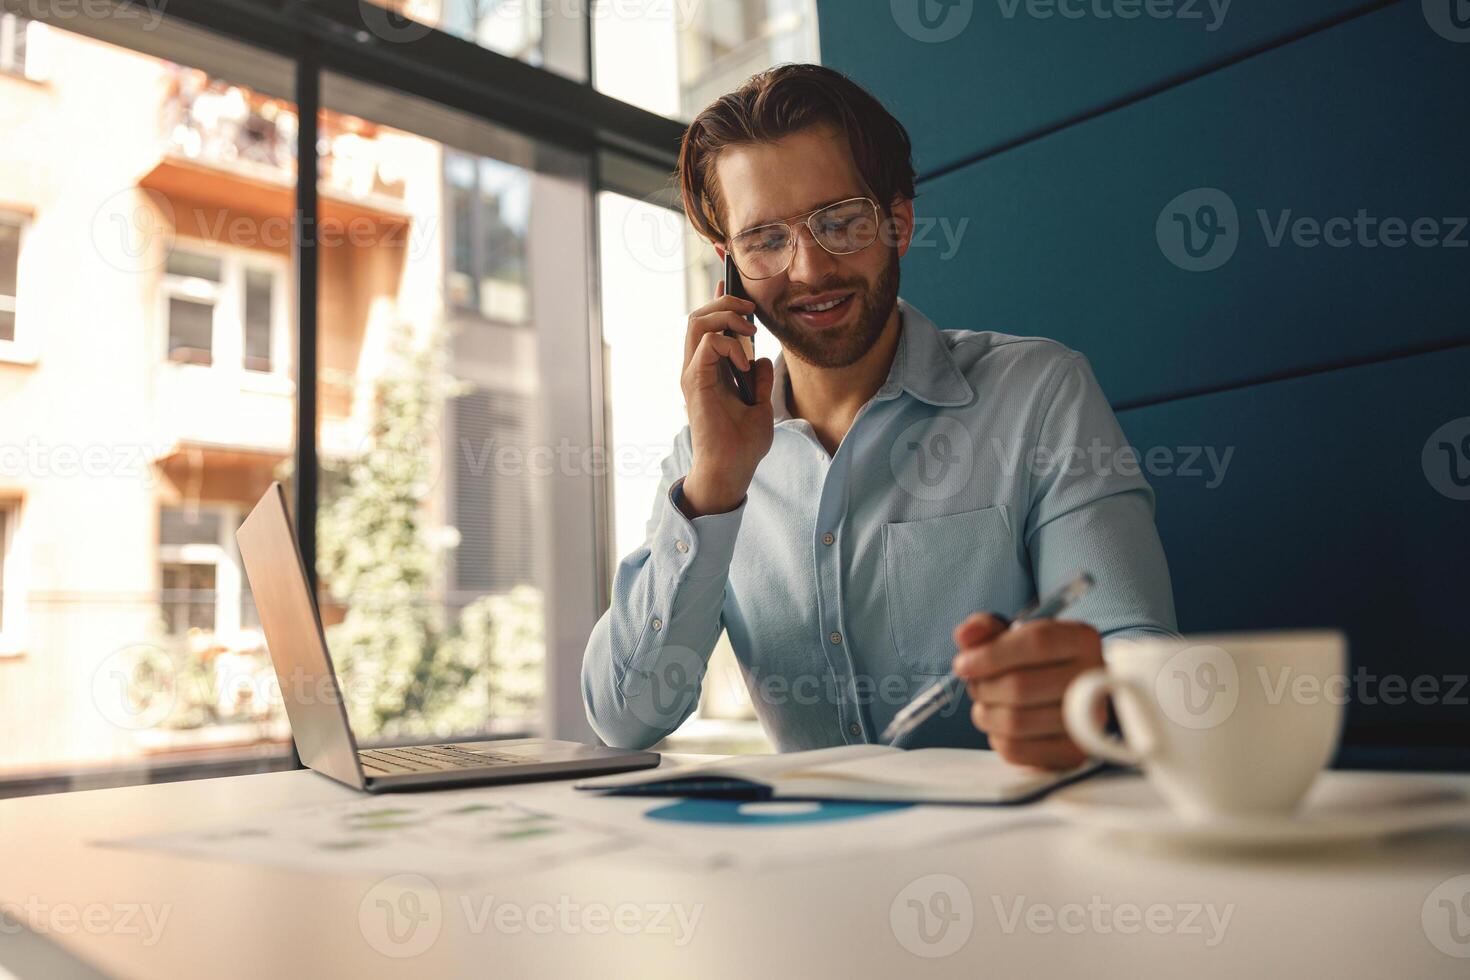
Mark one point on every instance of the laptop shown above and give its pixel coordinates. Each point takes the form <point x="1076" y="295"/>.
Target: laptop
<point x="318" y="715"/>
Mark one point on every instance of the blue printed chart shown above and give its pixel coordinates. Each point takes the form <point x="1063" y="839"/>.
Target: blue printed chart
<point x="765" y="814"/>
<point x="714" y="833"/>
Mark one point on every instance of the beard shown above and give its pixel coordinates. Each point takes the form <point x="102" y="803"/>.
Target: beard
<point x="826" y="348"/>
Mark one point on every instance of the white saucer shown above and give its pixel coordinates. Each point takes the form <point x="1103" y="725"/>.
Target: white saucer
<point x="1341" y="807"/>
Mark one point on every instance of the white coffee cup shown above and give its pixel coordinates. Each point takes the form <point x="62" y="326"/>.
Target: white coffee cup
<point x="1224" y="724"/>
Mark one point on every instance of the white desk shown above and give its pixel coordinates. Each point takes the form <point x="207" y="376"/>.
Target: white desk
<point x="1352" y="914"/>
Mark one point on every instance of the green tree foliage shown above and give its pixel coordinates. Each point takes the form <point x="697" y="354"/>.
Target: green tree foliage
<point x="410" y="665"/>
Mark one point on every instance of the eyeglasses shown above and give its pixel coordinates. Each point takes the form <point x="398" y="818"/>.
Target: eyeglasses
<point x="842" y="229"/>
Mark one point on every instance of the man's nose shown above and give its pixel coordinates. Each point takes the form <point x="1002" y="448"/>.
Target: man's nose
<point x="812" y="263"/>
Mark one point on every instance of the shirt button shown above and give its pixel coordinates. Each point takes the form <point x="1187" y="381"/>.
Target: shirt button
<point x="855" y="728"/>
<point x="658" y="624"/>
<point x="835" y="637"/>
<point x="681" y="546"/>
<point x="828" y="538"/>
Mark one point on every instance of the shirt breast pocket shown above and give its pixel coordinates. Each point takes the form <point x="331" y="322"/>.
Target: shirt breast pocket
<point x="938" y="571"/>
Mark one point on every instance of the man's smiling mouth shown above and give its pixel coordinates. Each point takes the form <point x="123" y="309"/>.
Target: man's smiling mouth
<point x="828" y="306"/>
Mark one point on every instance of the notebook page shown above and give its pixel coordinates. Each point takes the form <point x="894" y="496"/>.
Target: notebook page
<point x="979" y="771"/>
<point x="756" y="768"/>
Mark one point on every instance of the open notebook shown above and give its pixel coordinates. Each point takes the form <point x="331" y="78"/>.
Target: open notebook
<point x="849" y="772"/>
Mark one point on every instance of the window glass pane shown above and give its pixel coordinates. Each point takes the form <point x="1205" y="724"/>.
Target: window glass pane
<point x="490" y="203"/>
<point x="193" y="265"/>
<point x="433" y="344"/>
<point x="188" y="598"/>
<point x="654" y="271"/>
<point x="259" y="311"/>
<point x="190" y="330"/>
<point x="13" y="31"/>
<point x="676" y="58"/>
<point x="546" y="33"/>
<point x="496" y="550"/>
<point x="178" y="526"/>
<point x="4" y="517"/>
<point x="122" y="592"/>
<point x="9" y="256"/>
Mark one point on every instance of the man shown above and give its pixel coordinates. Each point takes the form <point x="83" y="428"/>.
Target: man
<point x="894" y="485"/>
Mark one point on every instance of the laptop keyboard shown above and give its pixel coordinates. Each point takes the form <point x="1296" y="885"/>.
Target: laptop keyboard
<point x="432" y="758"/>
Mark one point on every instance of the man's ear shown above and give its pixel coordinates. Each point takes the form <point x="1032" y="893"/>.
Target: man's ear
<point x="900" y="225"/>
<point x="720" y="251"/>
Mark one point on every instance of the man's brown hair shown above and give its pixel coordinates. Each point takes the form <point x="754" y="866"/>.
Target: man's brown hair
<point x="781" y="101"/>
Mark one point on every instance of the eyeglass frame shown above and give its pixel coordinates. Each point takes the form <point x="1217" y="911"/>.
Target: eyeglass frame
<point x="806" y="219"/>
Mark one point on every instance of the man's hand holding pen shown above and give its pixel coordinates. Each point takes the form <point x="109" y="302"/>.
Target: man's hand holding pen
<point x="1016" y="679"/>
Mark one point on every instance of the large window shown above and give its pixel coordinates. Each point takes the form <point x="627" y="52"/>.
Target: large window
<point x="225" y="307"/>
<point x="489" y="208"/>
<point x="456" y="312"/>
<point x="203" y="583"/>
<point x="451" y="491"/>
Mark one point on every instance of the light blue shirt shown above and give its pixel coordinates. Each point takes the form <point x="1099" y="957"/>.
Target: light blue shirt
<point x="986" y="468"/>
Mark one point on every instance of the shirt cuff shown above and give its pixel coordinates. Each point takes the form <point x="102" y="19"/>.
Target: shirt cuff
<point x="703" y="547"/>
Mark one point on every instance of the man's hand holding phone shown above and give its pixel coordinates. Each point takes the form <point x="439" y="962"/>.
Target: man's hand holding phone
<point x="729" y="437"/>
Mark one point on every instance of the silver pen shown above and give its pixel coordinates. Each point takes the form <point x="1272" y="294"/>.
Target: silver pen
<point x="940" y="695"/>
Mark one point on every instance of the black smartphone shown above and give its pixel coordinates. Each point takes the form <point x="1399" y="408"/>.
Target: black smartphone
<point x="744" y="381"/>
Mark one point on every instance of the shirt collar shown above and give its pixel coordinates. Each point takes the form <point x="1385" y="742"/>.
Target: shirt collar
<point x="922" y="365"/>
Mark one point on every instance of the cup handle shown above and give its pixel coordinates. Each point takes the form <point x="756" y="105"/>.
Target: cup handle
<point x="1079" y="706"/>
